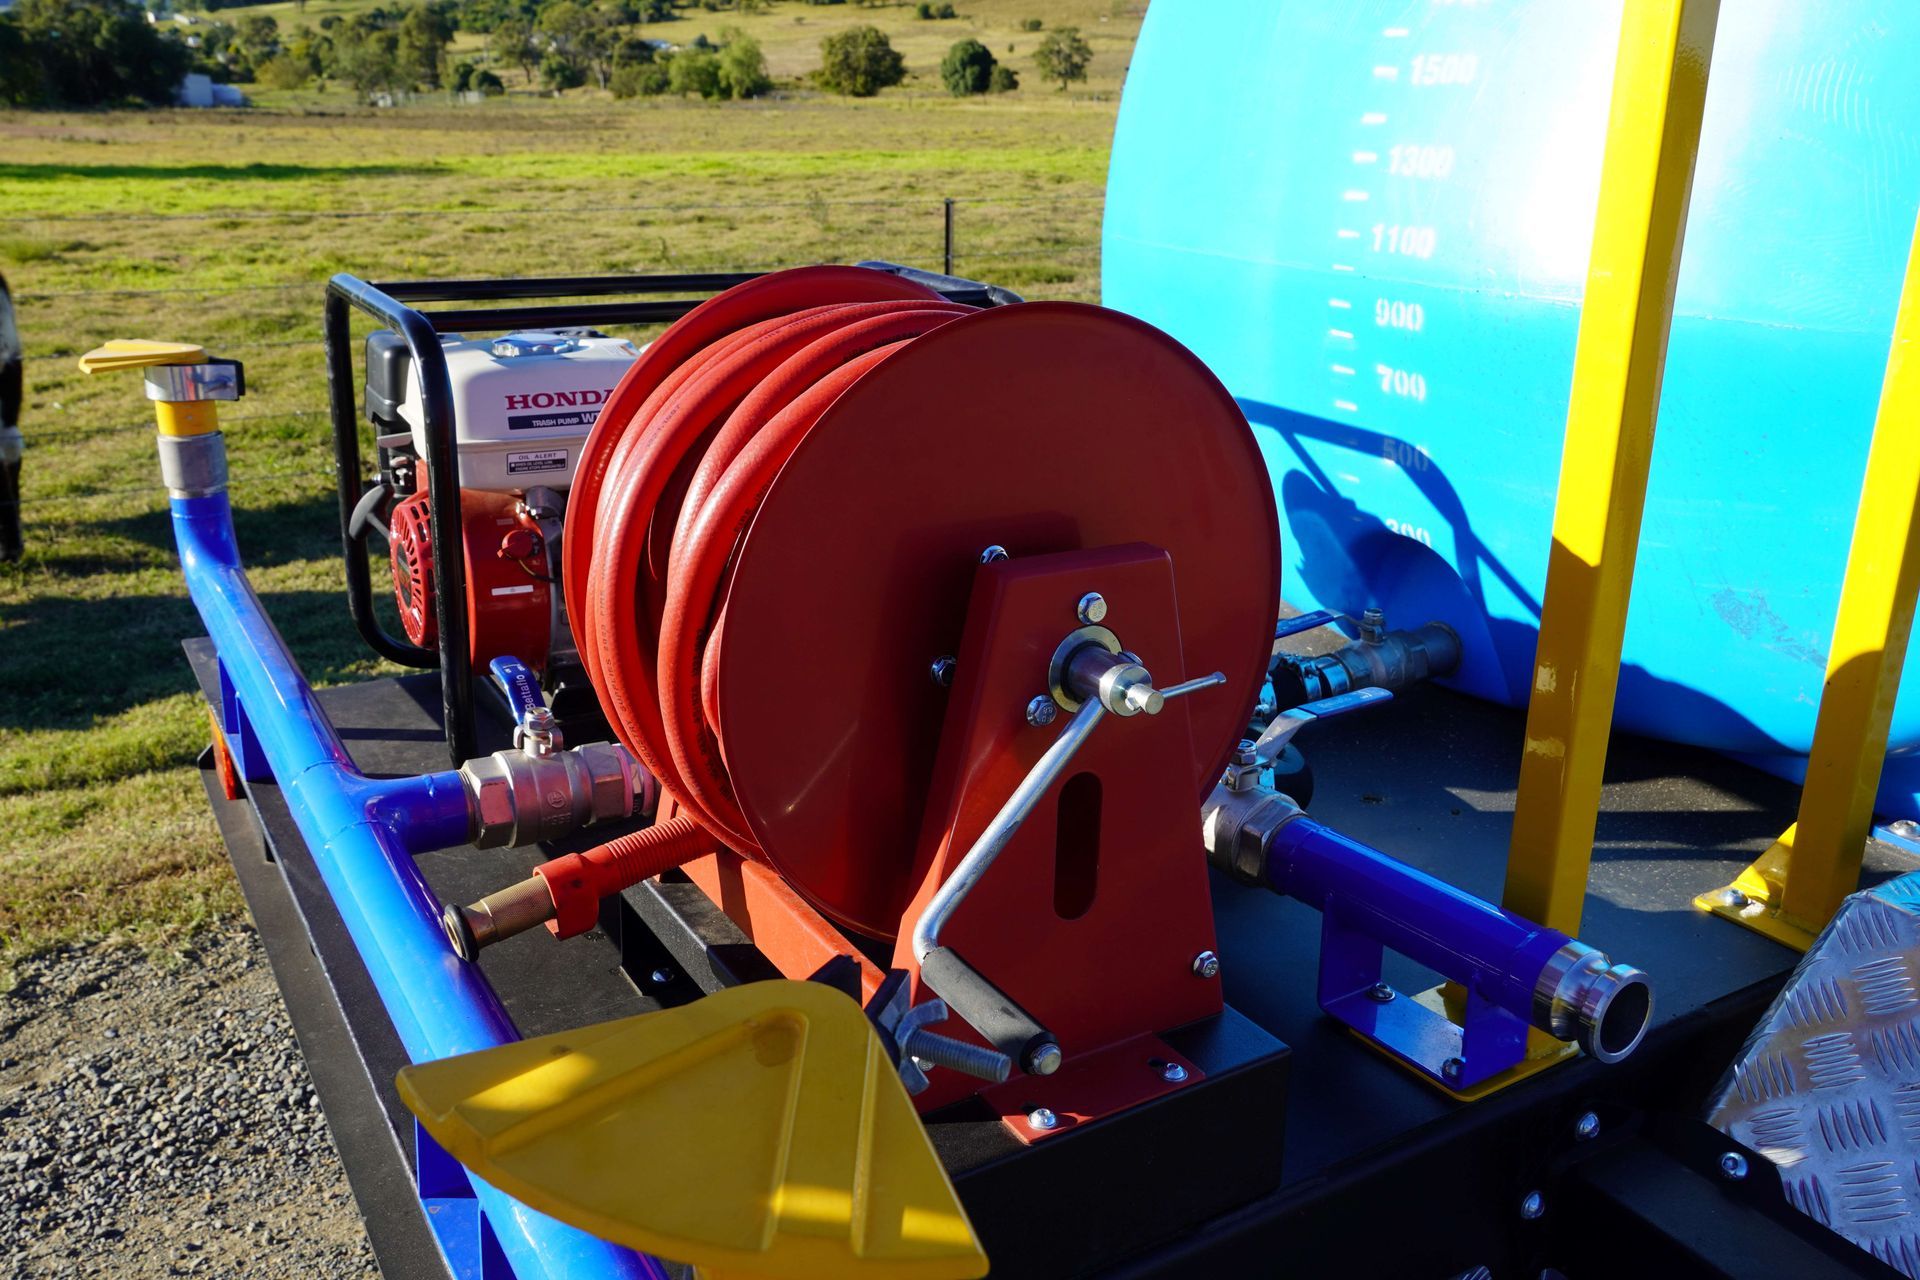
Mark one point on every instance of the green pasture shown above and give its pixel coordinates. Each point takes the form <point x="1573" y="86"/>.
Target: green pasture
<point x="221" y="227"/>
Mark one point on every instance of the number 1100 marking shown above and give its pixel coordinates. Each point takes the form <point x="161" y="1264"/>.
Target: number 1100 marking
<point x="1405" y="241"/>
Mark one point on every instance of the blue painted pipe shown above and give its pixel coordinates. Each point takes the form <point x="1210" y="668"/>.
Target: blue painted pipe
<point x="1537" y="974"/>
<point x="1423" y="918"/>
<point x="363" y="832"/>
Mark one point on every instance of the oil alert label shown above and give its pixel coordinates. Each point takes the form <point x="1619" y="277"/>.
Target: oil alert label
<point x="520" y="464"/>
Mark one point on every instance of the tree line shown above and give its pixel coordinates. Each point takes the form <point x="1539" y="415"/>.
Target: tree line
<point x="108" y="52"/>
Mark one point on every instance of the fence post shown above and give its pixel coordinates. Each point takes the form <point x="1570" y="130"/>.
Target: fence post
<point x="948" y="256"/>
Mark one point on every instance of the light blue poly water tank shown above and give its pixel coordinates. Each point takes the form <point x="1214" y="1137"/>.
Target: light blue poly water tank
<point x="1372" y="220"/>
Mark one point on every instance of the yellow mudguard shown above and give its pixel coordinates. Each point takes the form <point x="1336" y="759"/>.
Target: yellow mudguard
<point x="760" y="1131"/>
<point x="138" y="353"/>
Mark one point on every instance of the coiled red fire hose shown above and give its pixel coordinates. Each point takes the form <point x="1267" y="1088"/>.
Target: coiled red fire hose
<point x="668" y="481"/>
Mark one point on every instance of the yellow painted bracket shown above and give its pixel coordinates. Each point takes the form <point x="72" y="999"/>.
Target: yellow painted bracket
<point x="1646" y="180"/>
<point x="1794" y="888"/>
<point x="1646" y="176"/>
<point x="760" y="1131"/>
<point x="139" y="353"/>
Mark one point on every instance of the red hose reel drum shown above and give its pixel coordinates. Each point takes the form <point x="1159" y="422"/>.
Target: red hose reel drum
<point x="776" y="524"/>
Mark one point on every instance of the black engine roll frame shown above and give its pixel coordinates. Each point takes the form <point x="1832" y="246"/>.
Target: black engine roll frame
<point x="392" y="305"/>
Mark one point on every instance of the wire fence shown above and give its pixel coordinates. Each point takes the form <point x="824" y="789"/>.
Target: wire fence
<point x="492" y="211"/>
<point x="287" y="286"/>
<point x="146" y="424"/>
<point x="946" y="250"/>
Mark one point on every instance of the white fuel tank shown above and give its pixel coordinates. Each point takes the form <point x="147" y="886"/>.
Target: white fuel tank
<point x="522" y="404"/>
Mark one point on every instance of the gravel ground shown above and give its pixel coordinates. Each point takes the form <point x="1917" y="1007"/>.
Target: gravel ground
<point x="156" y="1120"/>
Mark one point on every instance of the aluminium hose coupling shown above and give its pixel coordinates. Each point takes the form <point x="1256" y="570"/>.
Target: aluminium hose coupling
<point x="193" y="466"/>
<point x="1582" y="996"/>
<point x="519" y="798"/>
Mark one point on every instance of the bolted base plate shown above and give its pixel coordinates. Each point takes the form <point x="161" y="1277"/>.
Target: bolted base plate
<point x="1091" y="1087"/>
<point x="1753" y="900"/>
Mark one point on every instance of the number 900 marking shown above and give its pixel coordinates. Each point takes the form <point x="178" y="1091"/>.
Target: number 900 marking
<point x="1389" y="314"/>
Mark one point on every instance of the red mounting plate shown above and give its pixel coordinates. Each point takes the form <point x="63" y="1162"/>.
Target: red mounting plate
<point x="1089" y="1088"/>
<point x="1043" y="427"/>
<point x="1095" y="908"/>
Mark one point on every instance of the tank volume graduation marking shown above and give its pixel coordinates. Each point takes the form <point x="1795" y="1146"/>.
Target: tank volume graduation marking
<point x="1390" y="174"/>
<point x="1419" y="161"/>
<point x="1405" y="240"/>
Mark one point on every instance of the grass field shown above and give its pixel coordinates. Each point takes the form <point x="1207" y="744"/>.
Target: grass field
<point x="221" y="227"/>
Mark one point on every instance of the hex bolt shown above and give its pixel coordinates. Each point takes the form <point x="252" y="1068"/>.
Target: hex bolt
<point x="1041" y="711"/>
<point x="1173" y="1073"/>
<point x="1533" y="1206"/>
<point x="993" y="554"/>
<point x="1043" y="1119"/>
<point x="661" y="977"/>
<point x="1587" y="1126"/>
<point x="1733" y="1166"/>
<point x="1733" y="899"/>
<point x="1380" y="993"/>
<point x="957" y="1055"/>
<point x="941" y="669"/>
<point x="1092" y="608"/>
<point x="1206" y="965"/>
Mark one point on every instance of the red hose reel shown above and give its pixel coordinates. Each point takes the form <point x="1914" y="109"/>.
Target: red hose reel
<point x="776" y="527"/>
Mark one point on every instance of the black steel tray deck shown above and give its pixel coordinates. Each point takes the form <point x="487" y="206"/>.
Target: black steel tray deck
<point x="1378" y="1174"/>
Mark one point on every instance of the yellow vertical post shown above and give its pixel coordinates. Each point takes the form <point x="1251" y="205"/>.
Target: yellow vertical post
<point x="1797" y="885"/>
<point x="1646" y="177"/>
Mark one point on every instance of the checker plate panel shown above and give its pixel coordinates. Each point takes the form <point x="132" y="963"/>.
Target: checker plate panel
<point x="1828" y="1085"/>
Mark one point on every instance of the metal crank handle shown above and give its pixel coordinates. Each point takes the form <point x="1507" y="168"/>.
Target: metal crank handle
<point x="993" y="1013"/>
<point x="1186" y="687"/>
<point x="1107" y="682"/>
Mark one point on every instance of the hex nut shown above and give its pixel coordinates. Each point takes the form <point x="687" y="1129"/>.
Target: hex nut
<point x="490" y="793"/>
<point x="611" y="774"/>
